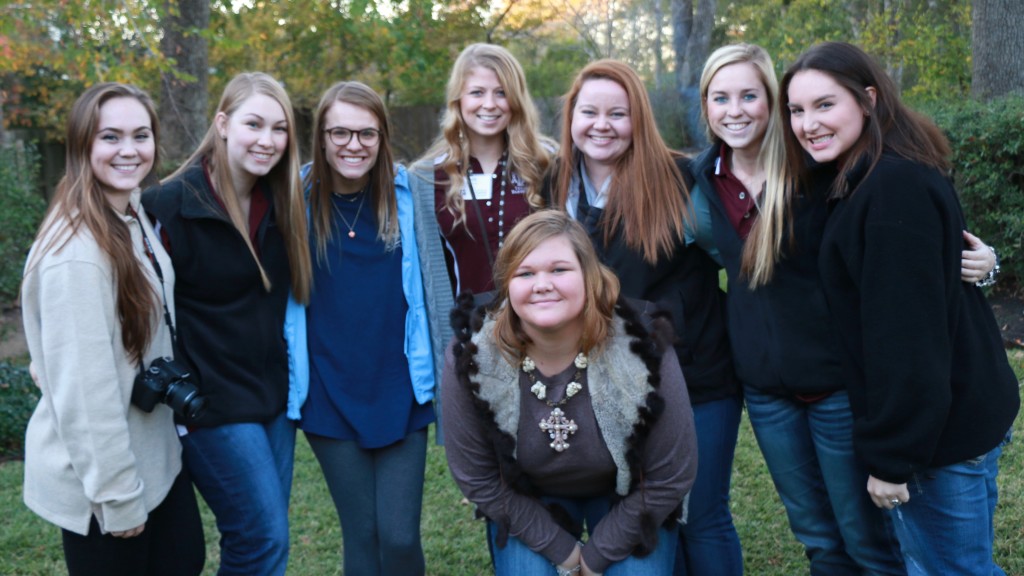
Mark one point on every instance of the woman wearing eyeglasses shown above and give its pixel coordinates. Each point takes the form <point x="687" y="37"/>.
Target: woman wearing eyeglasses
<point x="362" y="378"/>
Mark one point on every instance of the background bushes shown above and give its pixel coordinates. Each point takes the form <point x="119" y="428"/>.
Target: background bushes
<point x="21" y="209"/>
<point x="988" y="163"/>
<point x="18" y="397"/>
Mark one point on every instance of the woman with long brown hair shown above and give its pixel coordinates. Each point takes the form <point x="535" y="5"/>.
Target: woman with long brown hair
<point x="932" y="395"/>
<point x="362" y="369"/>
<point x="97" y="282"/>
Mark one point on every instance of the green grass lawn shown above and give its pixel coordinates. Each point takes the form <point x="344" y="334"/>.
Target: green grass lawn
<point x="453" y="540"/>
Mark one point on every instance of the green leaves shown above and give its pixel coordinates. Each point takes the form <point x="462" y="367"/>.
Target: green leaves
<point x="22" y="211"/>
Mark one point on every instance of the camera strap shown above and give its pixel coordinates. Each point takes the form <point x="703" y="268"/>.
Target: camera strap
<point x="159" y="274"/>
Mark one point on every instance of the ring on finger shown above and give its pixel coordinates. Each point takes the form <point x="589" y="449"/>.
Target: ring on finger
<point x="895" y="502"/>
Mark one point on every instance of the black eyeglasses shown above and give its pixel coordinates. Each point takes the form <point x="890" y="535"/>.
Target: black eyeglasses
<point x="342" y="136"/>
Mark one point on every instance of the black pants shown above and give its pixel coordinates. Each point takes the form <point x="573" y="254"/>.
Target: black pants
<point x="171" y="544"/>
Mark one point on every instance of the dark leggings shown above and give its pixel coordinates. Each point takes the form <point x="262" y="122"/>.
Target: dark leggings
<point x="170" y="545"/>
<point x="378" y="494"/>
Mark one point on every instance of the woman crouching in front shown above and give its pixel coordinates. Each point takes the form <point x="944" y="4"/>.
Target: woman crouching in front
<point x="563" y="412"/>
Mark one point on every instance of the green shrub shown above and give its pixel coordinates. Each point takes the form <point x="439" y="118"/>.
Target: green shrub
<point x="18" y="398"/>
<point x="22" y="209"/>
<point x="988" y="164"/>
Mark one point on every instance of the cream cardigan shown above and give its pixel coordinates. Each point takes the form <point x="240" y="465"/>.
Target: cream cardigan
<point x="88" y="451"/>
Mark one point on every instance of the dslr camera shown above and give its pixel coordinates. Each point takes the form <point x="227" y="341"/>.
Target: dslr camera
<point x="168" y="381"/>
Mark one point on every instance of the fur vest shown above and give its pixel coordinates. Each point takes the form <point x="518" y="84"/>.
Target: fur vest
<point x="623" y="381"/>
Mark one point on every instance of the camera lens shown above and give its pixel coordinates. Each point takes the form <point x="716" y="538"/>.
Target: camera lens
<point x="194" y="407"/>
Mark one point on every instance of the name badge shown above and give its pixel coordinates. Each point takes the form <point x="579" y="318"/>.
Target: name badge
<point x="483" y="185"/>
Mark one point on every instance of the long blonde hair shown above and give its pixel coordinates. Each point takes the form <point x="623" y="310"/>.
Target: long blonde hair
<point x="283" y="179"/>
<point x="650" y="199"/>
<point x="763" y="247"/>
<point x="79" y="201"/>
<point x="382" y="175"/>
<point x="527" y="155"/>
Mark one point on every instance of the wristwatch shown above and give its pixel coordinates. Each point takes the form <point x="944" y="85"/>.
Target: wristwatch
<point x="990" y="279"/>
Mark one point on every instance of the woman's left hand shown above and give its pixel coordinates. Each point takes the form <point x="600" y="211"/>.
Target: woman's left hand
<point x="977" y="260"/>
<point x="886" y="494"/>
<point x="585" y="570"/>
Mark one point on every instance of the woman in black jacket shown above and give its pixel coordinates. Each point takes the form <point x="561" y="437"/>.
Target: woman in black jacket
<point x="932" y="394"/>
<point x="766" y="231"/>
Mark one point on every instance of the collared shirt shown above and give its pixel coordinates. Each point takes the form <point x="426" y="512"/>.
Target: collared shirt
<point x="740" y="205"/>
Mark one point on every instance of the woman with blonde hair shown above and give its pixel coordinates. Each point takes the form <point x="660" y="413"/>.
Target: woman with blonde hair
<point x="618" y="178"/>
<point x="567" y="413"/>
<point x="105" y="469"/>
<point x="362" y="367"/>
<point x="233" y="220"/>
<point x="481" y="176"/>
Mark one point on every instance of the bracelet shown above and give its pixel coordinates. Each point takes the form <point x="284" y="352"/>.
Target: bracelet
<point x="990" y="279"/>
<point x="559" y="571"/>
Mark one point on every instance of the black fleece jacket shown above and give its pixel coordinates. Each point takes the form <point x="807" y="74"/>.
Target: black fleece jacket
<point x="230" y="330"/>
<point x="685" y="285"/>
<point x="928" y="379"/>
<point x="782" y="336"/>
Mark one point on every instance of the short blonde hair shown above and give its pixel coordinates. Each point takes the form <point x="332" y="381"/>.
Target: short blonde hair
<point x="601" y="286"/>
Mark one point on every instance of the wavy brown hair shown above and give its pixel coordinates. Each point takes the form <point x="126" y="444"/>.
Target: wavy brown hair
<point x="527" y="154"/>
<point x="79" y="200"/>
<point x="282" y="180"/>
<point x="889" y="125"/>
<point x="601" y="286"/>
<point x="382" y="175"/>
<point x="649" y="200"/>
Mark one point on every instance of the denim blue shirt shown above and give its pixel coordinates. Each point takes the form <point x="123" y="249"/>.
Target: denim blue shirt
<point x="418" y="349"/>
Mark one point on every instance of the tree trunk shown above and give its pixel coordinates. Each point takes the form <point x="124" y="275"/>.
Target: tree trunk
<point x="997" y="43"/>
<point x="691" y="39"/>
<point x="659" y="63"/>
<point x="183" y="103"/>
<point x="699" y="42"/>
<point x="682" y="22"/>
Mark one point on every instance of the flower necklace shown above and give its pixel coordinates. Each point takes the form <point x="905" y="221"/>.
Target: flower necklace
<point x="556" y="425"/>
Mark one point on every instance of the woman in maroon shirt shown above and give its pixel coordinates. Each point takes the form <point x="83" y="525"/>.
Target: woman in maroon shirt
<point x="484" y="171"/>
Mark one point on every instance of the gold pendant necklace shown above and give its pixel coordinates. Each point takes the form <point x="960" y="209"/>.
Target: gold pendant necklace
<point x="351" y="227"/>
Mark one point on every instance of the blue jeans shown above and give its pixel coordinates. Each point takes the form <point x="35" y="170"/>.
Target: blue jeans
<point x="708" y="543"/>
<point x="244" y="472"/>
<point x="946" y="527"/>
<point x="517" y="559"/>
<point x="808" y="448"/>
<point x="378" y="494"/>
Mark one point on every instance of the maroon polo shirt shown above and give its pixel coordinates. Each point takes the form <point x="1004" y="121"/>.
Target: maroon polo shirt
<point x="739" y="203"/>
